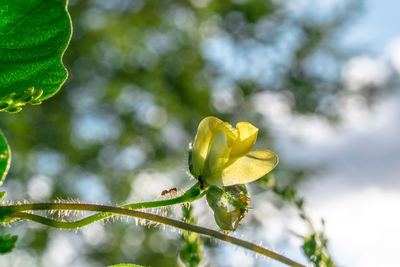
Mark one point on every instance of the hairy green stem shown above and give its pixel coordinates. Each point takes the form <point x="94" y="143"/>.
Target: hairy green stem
<point x="145" y="216"/>
<point x="190" y="195"/>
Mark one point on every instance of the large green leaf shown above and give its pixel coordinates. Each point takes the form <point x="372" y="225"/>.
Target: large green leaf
<point x="5" y="158"/>
<point x="33" y="37"/>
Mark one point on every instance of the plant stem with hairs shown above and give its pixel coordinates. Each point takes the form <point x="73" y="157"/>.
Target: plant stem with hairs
<point x="17" y="212"/>
<point x="190" y="195"/>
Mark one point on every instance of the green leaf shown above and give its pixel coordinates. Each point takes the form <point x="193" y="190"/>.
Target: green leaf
<point x="33" y="37"/>
<point x="5" y="158"/>
<point x="7" y="243"/>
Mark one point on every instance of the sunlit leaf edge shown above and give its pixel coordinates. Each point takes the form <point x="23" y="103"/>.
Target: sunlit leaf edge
<point x="5" y="158"/>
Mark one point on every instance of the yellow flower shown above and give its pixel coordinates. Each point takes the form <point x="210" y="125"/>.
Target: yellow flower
<point x="222" y="154"/>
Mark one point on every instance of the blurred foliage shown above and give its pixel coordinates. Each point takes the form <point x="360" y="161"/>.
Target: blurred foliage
<point x="7" y="243"/>
<point x="315" y="244"/>
<point x="315" y="248"/>
<point x="124" y="265"/>
<point x="142" y="75"/>
<point x="191" y="254"/>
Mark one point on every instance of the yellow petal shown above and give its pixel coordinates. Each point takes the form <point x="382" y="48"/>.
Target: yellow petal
<point x="231" y="133"/>
<point x="245" y="142"/>
<point x="202" y="142"/>
<point x="218" y="154"/>
<point x="246" y="169"/>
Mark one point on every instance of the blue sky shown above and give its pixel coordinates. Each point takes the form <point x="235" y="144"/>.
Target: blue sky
<point x="376" y="27"/>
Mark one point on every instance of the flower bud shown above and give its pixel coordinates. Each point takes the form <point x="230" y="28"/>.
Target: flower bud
<point x="229" y="205"/>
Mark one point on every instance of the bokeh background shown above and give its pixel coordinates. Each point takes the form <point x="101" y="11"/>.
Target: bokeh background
<point x="319" y="78"/>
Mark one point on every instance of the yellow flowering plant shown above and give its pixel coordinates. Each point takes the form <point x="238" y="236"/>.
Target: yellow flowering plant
<point x="221" y="158"/>
<point x="222" y="155"/>
<point x="223" y="162"/>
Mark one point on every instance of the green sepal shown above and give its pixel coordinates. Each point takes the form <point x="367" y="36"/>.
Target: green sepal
<point x="229" y="205"/>
<point x="190" y="160"/>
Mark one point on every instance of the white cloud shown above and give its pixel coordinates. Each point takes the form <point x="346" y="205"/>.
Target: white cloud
<point x="357" y="189"/>
<point x="394" y="53"/>
<point x="362" y="225"/>
<point x="363" y="70"/>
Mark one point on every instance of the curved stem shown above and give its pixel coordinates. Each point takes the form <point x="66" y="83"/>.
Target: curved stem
<point x="190" y="195"/>
<point x="158" y="219"/>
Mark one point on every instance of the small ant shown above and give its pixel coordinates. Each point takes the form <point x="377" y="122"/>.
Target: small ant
<point x="170" y="191"/>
